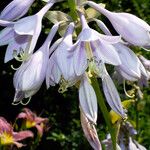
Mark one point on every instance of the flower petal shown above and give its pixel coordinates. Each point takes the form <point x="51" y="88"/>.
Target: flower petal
<point x="112" y="95"/>
<point x="88" y="100"/>
<point x="6" y="36"/>
<point x="53" y="73"/>
<point x="90" y="132"/>
<point x="16" y="9"/>
<point x="22" y="135"/>
<point x="6" y="23"/>
<point x="17" y="44"/>
<point x="105" y="52"/>
<point x="26" y="26"/>
<point x="79" y="58"/>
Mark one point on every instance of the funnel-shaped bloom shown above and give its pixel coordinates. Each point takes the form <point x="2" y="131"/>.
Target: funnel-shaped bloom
<point x="9" y="137"/>
<point x="32" y="120"/>
<point x="90" y="132"/>
<point x="16" y="9"/>
<point x="23" y="34"/>
<point x="92" y="47"/>
<point x="61" y="62"/>
<point x="92" y="50"/>
<point x="31" y="74"/>
<point x="131" y="28"/>
<point x="64" y="57"/>
<point x="130" y="64"/>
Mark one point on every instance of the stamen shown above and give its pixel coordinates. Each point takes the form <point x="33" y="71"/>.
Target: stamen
<point x="25" y="103"/>
<point x="14" y="67"/>
<point x="22" y="56"/>
<point x="15" y="103"/>
<point x="124" y="88"/>
<point x="21" y="102"/>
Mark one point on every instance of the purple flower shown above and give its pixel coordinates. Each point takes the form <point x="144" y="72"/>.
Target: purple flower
<point x="60" y="68"/>
<point x="91" y="51"/>
<point x="16" y="9"/>
<point x="131" y="28"/>
<point x="22" y="34"/>
<point x="31" y="74"/>
<point x="92" y="47"/>
<point x="9" y="137"/>
<point x="32" y="120"/>
<point x="130" y="67"/>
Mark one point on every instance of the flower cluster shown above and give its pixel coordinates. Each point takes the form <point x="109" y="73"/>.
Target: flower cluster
<point x="74" y="61"/>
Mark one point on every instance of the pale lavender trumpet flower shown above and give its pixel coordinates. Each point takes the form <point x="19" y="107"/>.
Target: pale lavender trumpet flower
<point x="16" y="9"/>
<point x="31" y="74"/>
<point x="88" y="100"/>
<point x="130" y="64"/>
<point x="64" y="57"/>
<point x="92" y="45"/>
<point x="60" y="68"/>
<point x="133" y="29"/>
<point x="98" y="49"/>
<point x="23" y="34"/>
<point x="90" y="131"/>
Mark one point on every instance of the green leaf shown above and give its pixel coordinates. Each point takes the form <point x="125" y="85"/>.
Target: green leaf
<point x="57" y="16"/>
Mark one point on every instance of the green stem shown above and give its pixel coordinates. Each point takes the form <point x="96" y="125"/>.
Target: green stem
<point x="137" y="117"/>
<point x="104" y="111"/>
<point x="73" y="12"/>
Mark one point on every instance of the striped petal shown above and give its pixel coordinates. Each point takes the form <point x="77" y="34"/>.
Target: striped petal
<point x="88" y="100"/>
<point x="80" y="60"/>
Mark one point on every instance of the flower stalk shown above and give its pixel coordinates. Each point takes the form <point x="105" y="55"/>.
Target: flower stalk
<point x="72" y="7"/>
<point x="104" y="110"/>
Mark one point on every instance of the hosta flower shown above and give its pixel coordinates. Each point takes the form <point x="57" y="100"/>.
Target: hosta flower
<point x="31" y="74"/>
<point x="16" y="9"/>
<point x="91" y="51"/>
<point x="90" y="132"/>
<point x="32" y="120"/>
<point x="92" y="45"/>
<point x="131" y="28"/>
<point x="60" y="68"/>
<point x="130" y="67"/>
<point x="9" y="137"/>
<point x="23" y="34"/>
